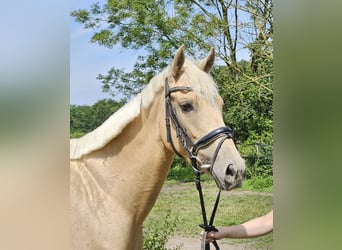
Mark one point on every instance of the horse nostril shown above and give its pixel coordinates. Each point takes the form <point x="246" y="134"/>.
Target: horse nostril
<point x="230" y="170"/>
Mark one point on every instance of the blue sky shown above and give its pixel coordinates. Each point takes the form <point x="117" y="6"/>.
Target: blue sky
<point x="84" y="63"/>
<point x="87" y="60"/>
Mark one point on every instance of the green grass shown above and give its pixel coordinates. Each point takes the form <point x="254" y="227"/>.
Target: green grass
<point x="179" y="203"/>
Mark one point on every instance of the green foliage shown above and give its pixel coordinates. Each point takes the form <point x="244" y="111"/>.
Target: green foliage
<point x="258" y="159"/>
<point x="249" y="110"/>
<point x="160" y="27"/>
<point x="156" y="235"/>
<point x="84" y="119"/>
<point x="259" y="183"/>
<point x="77" y="134"/>
<point x="181" y="173"/>
<point x="79" y="119"/>
<point x="248" y="101"/>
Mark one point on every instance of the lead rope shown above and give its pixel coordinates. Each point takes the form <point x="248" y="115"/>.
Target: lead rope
<point x="207" y="227"/>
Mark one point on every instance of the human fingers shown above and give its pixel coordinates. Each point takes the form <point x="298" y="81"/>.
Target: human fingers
<point x="207" y="235"/>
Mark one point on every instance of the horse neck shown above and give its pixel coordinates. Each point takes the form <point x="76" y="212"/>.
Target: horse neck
<point x="133" y="166"/>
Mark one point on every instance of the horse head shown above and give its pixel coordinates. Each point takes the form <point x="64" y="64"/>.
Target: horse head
<point x="194" y="116"/>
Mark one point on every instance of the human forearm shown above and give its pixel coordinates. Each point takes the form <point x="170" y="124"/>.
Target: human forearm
<point x="237" y="231"/>
<point x="259" y="226"/>
<point x="253" y="228"/>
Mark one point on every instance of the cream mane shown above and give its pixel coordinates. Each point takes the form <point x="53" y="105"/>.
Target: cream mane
<point x="113" y="126"/>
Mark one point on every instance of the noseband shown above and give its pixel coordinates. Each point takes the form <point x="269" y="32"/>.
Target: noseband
<point x="192" y="150"/>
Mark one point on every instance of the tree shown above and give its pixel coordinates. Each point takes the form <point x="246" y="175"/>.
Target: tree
<point x="160" y="27"/>
<point x="248" y="107"/>
<point x="249" y="110"/>
<point x="84" y="118"/>
<point x="79" y="120"/>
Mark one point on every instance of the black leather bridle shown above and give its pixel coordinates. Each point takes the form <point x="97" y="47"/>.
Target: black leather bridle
<point x="192" y="149"/>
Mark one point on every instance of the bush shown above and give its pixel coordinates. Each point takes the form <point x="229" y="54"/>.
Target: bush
<point x="181" y="173"/>
<point x="259" y="183"/>
<point x="258" y="157"/>
<point x="156" y="238"/>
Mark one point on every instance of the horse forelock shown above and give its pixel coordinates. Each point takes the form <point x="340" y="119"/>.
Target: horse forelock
<point x="201" y="82"/>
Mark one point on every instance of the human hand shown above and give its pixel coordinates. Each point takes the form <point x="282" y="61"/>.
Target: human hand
<point x="209" y="237"/>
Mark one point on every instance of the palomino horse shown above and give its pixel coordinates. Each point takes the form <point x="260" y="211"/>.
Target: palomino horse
<point x="117" y="170"/>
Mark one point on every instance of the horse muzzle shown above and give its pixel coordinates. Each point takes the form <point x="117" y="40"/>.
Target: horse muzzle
<point x="233" y="177"/>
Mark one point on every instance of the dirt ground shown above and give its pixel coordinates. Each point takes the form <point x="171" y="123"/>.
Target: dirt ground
<point x="191" y="244"/>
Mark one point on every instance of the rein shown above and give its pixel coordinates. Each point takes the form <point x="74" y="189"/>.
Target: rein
<point x="192" y="150"/>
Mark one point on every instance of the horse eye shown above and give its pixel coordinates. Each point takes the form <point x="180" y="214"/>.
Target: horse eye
<point x="186" y="107"/>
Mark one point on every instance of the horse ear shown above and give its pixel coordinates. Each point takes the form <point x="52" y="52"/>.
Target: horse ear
<point x="178" y="62"/>
<point x="207" y="63"/>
